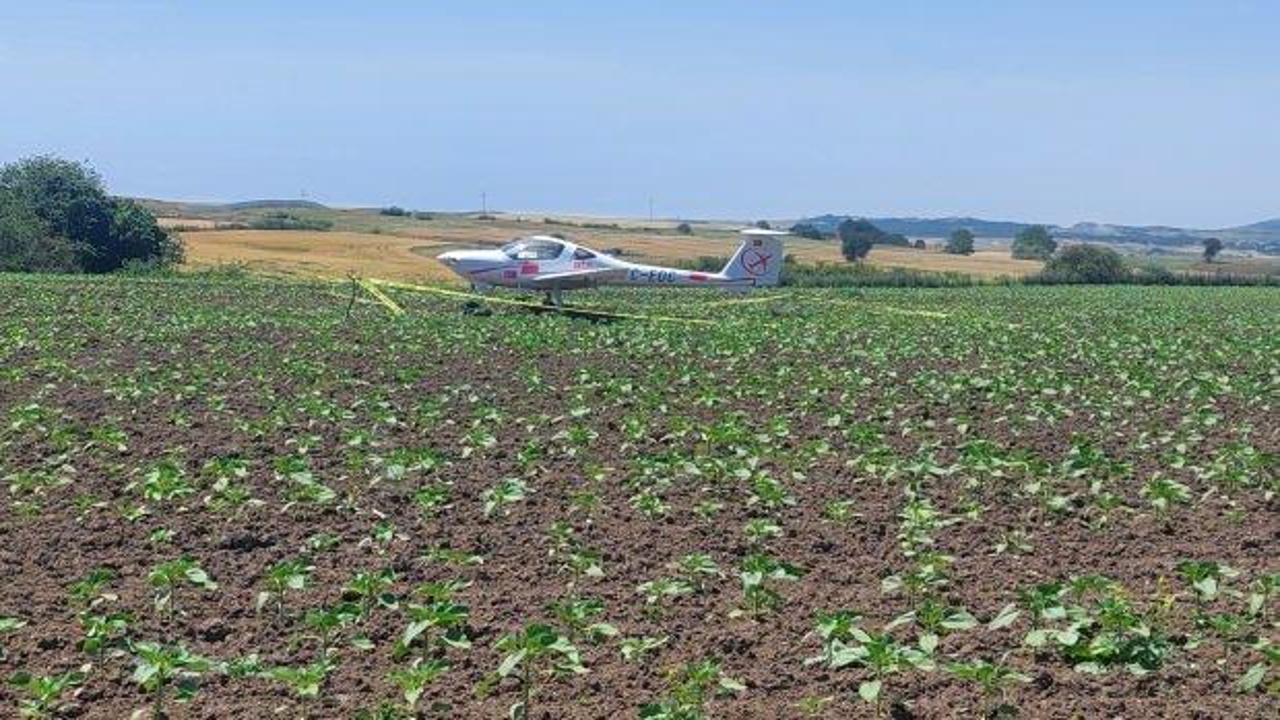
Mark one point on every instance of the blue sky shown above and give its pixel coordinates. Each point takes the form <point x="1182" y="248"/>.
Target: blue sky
<point x="1136" y="112"/>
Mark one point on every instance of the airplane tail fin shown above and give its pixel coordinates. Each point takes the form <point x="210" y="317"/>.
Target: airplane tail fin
<point x="758" y="259"/>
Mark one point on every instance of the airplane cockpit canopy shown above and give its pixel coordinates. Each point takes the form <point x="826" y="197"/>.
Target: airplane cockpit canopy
<point x="533" y="249"/>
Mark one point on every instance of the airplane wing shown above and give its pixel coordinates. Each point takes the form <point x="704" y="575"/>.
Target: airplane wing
<point x="571" y="277"/>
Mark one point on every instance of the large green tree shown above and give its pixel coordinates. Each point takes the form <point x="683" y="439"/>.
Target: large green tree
<point x="55" y="216"/>
<point x="1033" y="243"/>
<point x="1212" y="246"/>
<point x="1087" y="264"/>
<point x="856" y="238"/>
<point x="960" y="242"/>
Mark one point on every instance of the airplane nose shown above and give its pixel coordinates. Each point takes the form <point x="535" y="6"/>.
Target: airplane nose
<point x="448" y="258"/>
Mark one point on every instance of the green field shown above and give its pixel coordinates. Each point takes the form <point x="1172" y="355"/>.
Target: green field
<point x="237" y="494"/>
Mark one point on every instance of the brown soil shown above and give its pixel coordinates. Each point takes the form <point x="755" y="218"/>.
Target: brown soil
<point x="357" y="368"/>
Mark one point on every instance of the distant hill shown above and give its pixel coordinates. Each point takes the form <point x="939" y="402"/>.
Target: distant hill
<point x="275" y="205"/>
<point x="1263" y="236"/>
<point x="178" y="208"/>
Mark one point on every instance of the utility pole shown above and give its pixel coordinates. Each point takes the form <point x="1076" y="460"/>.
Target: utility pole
<point x="484" y="203"/>
<point x="651" y="210"/>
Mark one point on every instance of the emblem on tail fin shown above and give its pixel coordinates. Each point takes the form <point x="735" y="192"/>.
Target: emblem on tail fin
<point x="755" y="262"/>
<point x="758" y="259"/>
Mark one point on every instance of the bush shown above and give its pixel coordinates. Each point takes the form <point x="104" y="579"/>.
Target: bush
<point x="684" y="229"/>
<point x="764" y="225"/>
<point x="1033" y="243"/>
<point x="856" y="238"/>
<point x="862" y="275"/>
<point x="423" y="216"/>
<point x="807" y="230"/>
<point x="1093" y="264"/>
<point x="394" y="211"/>
<point x="55" y="216"/>
<point x="286" y="221"/>
<point x="1212" y="246"/>
<point x="920" y="245"/>
<point x="960" y="242"/>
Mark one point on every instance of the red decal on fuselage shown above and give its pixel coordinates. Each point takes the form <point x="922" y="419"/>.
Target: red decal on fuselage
<point x="529" y="268"/>
<point x="697" y="277"/>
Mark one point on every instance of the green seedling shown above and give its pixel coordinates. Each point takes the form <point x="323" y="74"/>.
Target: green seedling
<point x="696" y="569"/>
<point x="835" y="629"/>
<point x="442" y="617"/>
<point x="164" y="482"/>
<point x="1205" y="578"/>
<point x="500" y="497"/>
<point x="883" y="657"/>
<point x="103" y="631"/>
<point x="635" y="648"/>
<point x="580" y="615"/>
<point x="690" y="688"/>
<point x="9" y="625"/>
<point x="413" y="680"/>
<point x="371" y="589"/>
<point x="305" y="681"/>
<point x="325" y="624"/>
<point x="1268" y="667"/>
<point x="44" y="693"/>
<point x="994" y="679"/>
<point x="531" y="654"/>
<point x="87" y="591"/>
<point x="658" y="593"/>
<point x="168" y="577"/>
<point x="285" y="577"/>
<point x="759" y="573"/>
<point x="158" y="667"/>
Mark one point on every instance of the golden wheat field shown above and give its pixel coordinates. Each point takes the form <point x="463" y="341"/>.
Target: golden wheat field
<point x="317" y="254"/>
<point x="409" y="253"/>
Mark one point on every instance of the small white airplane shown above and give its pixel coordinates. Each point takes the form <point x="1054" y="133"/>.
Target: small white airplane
<point x="542" y="263"/>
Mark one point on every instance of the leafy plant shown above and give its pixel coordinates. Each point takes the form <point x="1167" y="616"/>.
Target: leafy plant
<point x="371" y="589"/>
<point x="304" y="681"/>
<point x="580" y="615"/>
<point x="169" y="576"/>
<point x="657" y="593"/>
<point x="498" y="498"/>
<point x="285" y="577"/>
<point x="44" y="692"/>
<point x="1257" y="673"/>
<point x="532" y="654"/>
<point x="994" y="679"/>
<point x="691" y="687"/>
<point x="413" y="680"/>
<point x="158" y="667"/>
<point x="882" y="656"/>
<point x="634" y="648"/>
<point x="9" y="625"/>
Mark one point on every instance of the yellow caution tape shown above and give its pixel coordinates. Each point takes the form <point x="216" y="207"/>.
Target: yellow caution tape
<point x="382" y="297"/>
<point x="535" y="305"/>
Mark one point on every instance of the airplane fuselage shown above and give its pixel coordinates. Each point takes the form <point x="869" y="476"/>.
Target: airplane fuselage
<point x="549" y="264"/>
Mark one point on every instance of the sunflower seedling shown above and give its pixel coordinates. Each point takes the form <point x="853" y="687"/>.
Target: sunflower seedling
<point x="413" y="680"/>
<point x="995" y="680"/>
<point x="286" y="577"/>
<point x="579" y="615"/>
<point x="168" y="577"/>
<point x="158" y="667"/>
<point x="43" y="692"/>
<point x="691" y="687"/>
<point x="9" y="625"/>
<point x="531" y="654"/>
<point x="498" y="498"/>
<point x="305" y="681"/>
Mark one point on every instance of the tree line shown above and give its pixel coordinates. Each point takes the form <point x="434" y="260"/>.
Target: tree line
<point x="56" y="216"/>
